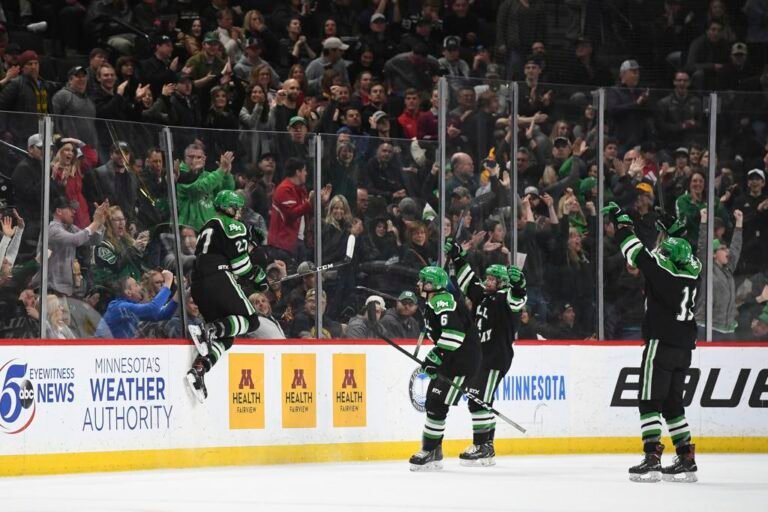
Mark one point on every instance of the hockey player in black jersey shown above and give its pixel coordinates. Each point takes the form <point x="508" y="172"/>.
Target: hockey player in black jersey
<point x="669" y="330"/>
<point x="494" y="304"/>
<point x="221" y="258"/>
<point x="456" y="356"/>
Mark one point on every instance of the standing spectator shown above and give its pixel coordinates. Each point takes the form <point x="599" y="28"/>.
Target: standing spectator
<point x="152" y="202"/>
<point x="415" y="69"/>
<point x="382" y="38"/>
<point x="251" y="59"/>
<point x="626" y="107"/>
<point x="400" y="322"/>
<point x="197" y="187"/>
<point x="63" y="240"/>
<point x="27" y="180"/>
<point x="519" y="23"/>
<point x="679" y="115"/>
<point x="451" y="63"/>
<point x="116" y="183"/>
<point x="585" y="69"/>
<point x="381" y="177"/>
<point x="109" y="98"/>
<point x="28" y="92"/>
<point x="177" y="105"/>
<point x="221" y="121"/>
<point x="96" y="58"/>
<point x="333" y="51"/>
<point x="118" y="255"/>
<point x="159" y="69"/>
<point x="463" y="174"/>
<point x="295" y="49"/>
<point x="291" y="210"/>
<point x="754" y="205"/>
<point x="688" y="207"/>
<point x="230" y="36"/>
<point x="409" y="118"/>
<point x="72" y="103"/>
<point x="192" y="37"/>
<point x="288" y="101"/>
<point x="342" y="172"/>
<point x="462" y="22"/>
<point x="708" y="55"/>
<point x="67" y="171"/>
<point x="255" y="117"/>
<point x="207" y="65"/>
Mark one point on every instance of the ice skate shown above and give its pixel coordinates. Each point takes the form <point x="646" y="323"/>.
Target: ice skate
<point x="649" y="470"/>
<point x="478" y="455"/>
<point x="427" y="460"/>
<point x="684" y="468"/>
<point x="196" y="382"/>
<point x="202" y="338"/>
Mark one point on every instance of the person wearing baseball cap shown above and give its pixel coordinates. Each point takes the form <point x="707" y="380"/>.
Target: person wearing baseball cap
<point x="333" y="50"/>
<point x="401" y="322"/>
<point x="159" y="69"/>
<point x="251" y="59"/>
<point x="207" y="65"/>
<point x="28" y="92"/>
<point x="78" y="109"/>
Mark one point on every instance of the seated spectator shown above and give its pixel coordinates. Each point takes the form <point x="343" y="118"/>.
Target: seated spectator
<point x="707" y="56"/>
<point x="27" y="92"/>
<point x="278" y="299"/>
<point x="269" y="326"/>
<point x="585" y="69"/>
<point x="251" y="59"/>
<point x="417" y="251"/>
<point x="10" y="242"/>
<point x="55" y="326"/>
<point x="27" y="180"/>
<point x="21" y="317"/>
<point x="119" y="255"/>
<point x="381" y="177"/>
<point x="401" y="322"/>
<point x="174" y="328"/>
<point x="566" y="327"/>
<point x="207" y="65"/>
<point x="759" y="326"/>
<point x="385" y="238"/>
<point x="362" y="327"/>
<point x="303" y="325"/>
<point x="121" y="320"/>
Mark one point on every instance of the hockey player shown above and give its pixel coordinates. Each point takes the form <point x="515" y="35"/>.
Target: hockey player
<point x="669" y="330"/>
<point x="221" y="258"/>
<point x="495" y="302"/>
<point x="456" y="356"/>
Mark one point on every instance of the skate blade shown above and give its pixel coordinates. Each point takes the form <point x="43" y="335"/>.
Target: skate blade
<point x="196" y="333"/>
<point x="686" y="478"/>
<point x="490" y="461"/>
<point x="198" y="393"/>
<point x="650" y="478"/>
<point x="436" y="465"/>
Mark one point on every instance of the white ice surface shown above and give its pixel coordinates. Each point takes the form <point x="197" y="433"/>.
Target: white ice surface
<point x="734" y="483"/>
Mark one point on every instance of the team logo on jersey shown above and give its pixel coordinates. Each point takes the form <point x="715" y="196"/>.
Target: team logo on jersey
<point x="417" y="389"/>
<point x="236" y="227"/>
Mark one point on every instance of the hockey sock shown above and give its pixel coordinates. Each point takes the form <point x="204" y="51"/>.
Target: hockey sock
<point x="218" y="347"/>
<point x="483" y="422"/>
<point x="679" y="431"/>
<point x="232" y="326"/>
<point x="433" y="433"/>
<point x="650" y="426"/>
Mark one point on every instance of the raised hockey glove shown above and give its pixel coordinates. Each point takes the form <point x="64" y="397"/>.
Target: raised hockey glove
<point x="259" y="278"/>
<point x="617" y="215"/>
<point x="516" y="277"/>
<point x="452" y="248"/>
<point x="432" y="362"/>
<point x="669" y="224"/>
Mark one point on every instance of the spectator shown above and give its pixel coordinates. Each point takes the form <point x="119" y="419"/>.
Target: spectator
<point x="207" y="65"/>
<point x="754" y="205"/>
<point x="725" y="260"/>
<point x="361" y="326"/>
<point x="196" y="187"/>
<point x="177" y="105"/>
<point x="96" y="58"/>
<point x="462" y="174"/>
<point x="708" y="55"/>
<point x="409" y="118"/>
<point x="585" y="69"/>
<point x="462" y="22"/>
<point x="27" y="180"/>
<point x="269" y="326"/>
<point x="688" y="207"/>
<point x="303" y="326"/>
<point x="28" y="92"/>
<point x="67" y="171"/>
<point x="383" y="36"/>
<point x="411" y="70"/>
<point x="451" y="63"/>
<point x="152" y="201"/>
<point x="121" y="320"/>
<point x="55" y="326"/>
<point x="566" y="327"/>
<point x="278" y="300"/>
<point x="288" y="101"/>
<point x="11" y="240"/>
<point x="342" y="173"/>
<point x="401" y="321"/>
<point x="192" y="37"/>
<point x="118" y="255"/>
<point x="114" y="182"/>
<point x="417" y="251"/>
<point x="626" y="107"/>
<point x="251" y="59"/>
<point x="382" y="177"/>
<point x="295" y="48"/>
<point x="230" y="36"/>
<point x="110" y="99"/>
<point x="255" y="117"/>
<point x="291" y="210"/>
<point x="221" y="120"/>
<point x="740" y="73"/>
<point x="63" y="239"/>
<point x="160" y="69"/>
<point x="333" y="50"/>
<point x="679" y="116"/>
<point x="643" y="215"/>
<point x="518" y="25"/>
<point x="385" y="238"/>
<point x="72" y="103"/>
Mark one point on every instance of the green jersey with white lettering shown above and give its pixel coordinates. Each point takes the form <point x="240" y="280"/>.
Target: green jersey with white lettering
<point x="222" y="245"/>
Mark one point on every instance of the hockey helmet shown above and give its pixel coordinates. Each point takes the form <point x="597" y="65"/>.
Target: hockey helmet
<point x="435" y="276"/>
<point x="228" y="199"/>
<point x="678" y="250"/>
<point x="499" y="272"/>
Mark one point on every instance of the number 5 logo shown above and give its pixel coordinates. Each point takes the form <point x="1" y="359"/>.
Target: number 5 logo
<point x="17" y="398"/>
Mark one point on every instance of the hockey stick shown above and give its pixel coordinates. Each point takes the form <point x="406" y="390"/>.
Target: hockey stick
<point x="328" y="266"/>
<point x="464" y="390"/>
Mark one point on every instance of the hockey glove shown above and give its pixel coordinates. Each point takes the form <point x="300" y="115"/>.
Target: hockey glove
<point x="619" y="216"/>
<point x="516" y="277"/>
<point x="668" y="224"/>
<point x="432" y="362"/>
<point x="452" y="248"/>
<point x="259" y="278"/>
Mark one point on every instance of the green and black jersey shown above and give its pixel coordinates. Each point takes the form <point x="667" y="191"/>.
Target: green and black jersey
<point x="222" y="245"/>
<point x="451" y="327"/>
<point x="670" y="292"/>
<point x="495" y="315"/>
